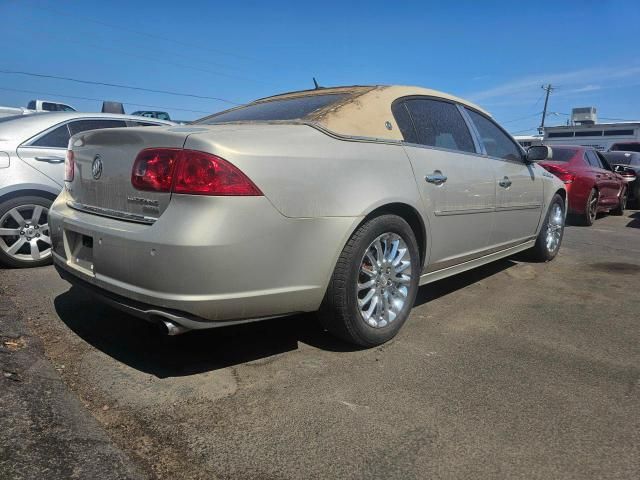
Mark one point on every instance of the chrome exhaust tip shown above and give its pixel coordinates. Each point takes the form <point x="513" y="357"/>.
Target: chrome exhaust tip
<point x="172" y="329"/>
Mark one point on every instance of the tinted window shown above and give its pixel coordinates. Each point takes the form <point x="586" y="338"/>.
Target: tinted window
<point x="142" y="124"/>
<point x="57" y="138"/>
<point x="84" y="125"/>
<point x="65" y="108"/>
<point x="496" y="142"/>
<point x="562" y="154"/>
<point x="439" y="124"/>
<point x="401" y="114"/>
<point x="621" y="158"/>
<point x="285" y="109"/>
<point x="49" y="107"/>
<point x="31" y="105"/>
<point x="593" y="159"/>
<point x="627" y="147"/>
<point x="589" y="133"/>
<point x="603" y="161"/>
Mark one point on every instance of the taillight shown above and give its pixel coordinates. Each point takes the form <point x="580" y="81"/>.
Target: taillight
<point x="189" y="172"/>
<point x="153" y="169"/>
<point x="69" y="166"/>
<point x="561" y="173"/>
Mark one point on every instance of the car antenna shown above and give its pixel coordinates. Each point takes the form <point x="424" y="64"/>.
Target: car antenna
<point x="315" y="83"/>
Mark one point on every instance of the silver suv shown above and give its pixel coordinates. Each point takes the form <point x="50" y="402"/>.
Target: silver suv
<point x="32" y="153"/>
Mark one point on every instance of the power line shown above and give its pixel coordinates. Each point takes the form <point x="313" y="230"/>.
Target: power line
<point x="151" y="58"/>
<point x="117" y="85"/>
<point x="145" y="34"/>
<point x="522" y="118"/>
<point x="523" y="131"/>
<point x="99" y="100"/>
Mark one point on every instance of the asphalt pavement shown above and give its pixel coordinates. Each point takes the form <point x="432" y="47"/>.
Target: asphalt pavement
<point x="514" y="370"/>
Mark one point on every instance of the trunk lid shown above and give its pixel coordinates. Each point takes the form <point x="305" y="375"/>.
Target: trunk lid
<point x="103" y="163"/>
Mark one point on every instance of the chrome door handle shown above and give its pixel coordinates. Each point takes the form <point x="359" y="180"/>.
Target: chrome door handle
<point x="505" y="182"/>
<point x="50" y="159"/>
<point x="436" y="177"/>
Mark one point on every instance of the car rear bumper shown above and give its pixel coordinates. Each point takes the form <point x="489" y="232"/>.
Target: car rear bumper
<point x="205" y="261"/>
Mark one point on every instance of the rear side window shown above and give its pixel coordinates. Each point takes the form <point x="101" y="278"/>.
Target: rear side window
<point x="143" y="124"/>
<point x="435" y="124"/>
<point x="626" y="147"/>
<point x="56" y="138"/>
<point x="593" y="159"/>
<point x="496" y="142"/>
<point x="563" y="154"/>
<point x="84" y="125"/>
<point x="285" y="109"/>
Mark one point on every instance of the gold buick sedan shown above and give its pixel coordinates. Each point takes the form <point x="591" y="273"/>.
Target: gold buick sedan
<point x="339" y="200"/>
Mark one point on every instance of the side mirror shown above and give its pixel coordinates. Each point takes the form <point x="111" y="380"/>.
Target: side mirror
<point x="538" y="153"/>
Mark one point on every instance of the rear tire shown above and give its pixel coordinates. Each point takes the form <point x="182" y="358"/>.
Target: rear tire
<point x="550" y="236"/>
<point x="590" y="209"/>
<point x="619" y="210"/>
<point x="24" y="232"/>
<point x="374" y="284"/>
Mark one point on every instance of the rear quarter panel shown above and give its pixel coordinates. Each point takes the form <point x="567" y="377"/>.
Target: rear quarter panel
<point x="307" y="173"/>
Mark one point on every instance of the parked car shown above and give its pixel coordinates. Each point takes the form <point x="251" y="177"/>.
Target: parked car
<point x="591" y="183"/>
<point x="32" y="153"/>
<point x="49" y="106"/>
<point x="152" y="114"/>
<point x="627" y="164"/>
<point x="341" y="200"/>
<point x="625" y="147"/>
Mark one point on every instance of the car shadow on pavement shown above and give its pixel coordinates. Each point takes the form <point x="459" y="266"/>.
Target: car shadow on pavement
<point x="635" y="222"/>
<point x="142" y="346"/>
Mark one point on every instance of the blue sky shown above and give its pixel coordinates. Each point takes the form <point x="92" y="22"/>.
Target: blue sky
<point x="497" y="54"/>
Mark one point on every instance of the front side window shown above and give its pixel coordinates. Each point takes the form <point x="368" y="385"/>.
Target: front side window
<point x="435" y="124"/>
<point x="84" y="125"/>
<point x="56" y="138"/>
<point x="496" y="142"/>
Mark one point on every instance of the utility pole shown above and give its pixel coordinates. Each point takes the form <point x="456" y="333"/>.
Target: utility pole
<point x="548" y="89"/>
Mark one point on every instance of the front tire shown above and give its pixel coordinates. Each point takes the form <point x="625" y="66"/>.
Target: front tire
<point x="24" y="232"/>
<point x="591" y="209"/>
<point x="374" y="284"/>
<point x="551" y="232"/>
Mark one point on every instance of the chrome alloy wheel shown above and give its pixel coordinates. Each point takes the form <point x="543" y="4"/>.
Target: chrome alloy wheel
<point x="24" y="233"/>
<point x="383" y="280"/>
<point x="593" y="206"/>
<point x="554" y="227"/>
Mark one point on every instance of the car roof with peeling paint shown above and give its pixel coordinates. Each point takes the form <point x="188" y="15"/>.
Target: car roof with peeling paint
<point x="359" y="111"/>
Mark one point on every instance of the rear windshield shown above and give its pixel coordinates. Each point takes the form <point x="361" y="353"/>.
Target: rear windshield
<point x="622" y="158"/>
<point x="562" y="154"/>
<point x="285" y="109"/>
<point x="626" y="147"/>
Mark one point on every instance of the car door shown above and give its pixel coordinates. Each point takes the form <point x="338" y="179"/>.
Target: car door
<point x="457" y="184"/>
<point x="519" y="187"/>
<point x="612" y="180"/>
<point x="46" y="151"/>
<point x="605" y="183"/>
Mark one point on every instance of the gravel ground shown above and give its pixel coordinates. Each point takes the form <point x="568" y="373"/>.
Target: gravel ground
<point x="512" y="370"/>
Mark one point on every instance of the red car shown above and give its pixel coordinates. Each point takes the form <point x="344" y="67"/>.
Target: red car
<point x="592" y="185"/>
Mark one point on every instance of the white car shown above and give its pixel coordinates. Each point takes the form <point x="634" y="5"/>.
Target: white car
<point x="32" y="154"/>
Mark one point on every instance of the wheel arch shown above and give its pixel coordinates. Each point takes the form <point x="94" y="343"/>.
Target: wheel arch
<point x="27" y="193"/>
<point x="408" y="214"/>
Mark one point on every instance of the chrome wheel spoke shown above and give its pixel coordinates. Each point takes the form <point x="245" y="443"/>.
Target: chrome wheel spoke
<point x="17" y="216"/>
<point x="35" y="251"/>
<point x="13" y="249"/>
<point x="45" y="238"/>
<point x="9" y="232"/>
<point x="37" y="213"/>
<point x="384" y="276"/>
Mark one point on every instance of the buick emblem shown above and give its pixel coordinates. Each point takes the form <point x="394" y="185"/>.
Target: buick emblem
<point x="96" y="167"/>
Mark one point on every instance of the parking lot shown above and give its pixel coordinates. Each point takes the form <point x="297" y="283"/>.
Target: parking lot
<point x="512" y="370"/>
